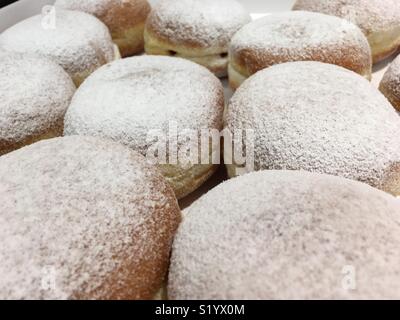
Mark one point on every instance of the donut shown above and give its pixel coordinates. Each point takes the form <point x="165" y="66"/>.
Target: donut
<point x="35" y="93"/>
<point x="297" y="36"/>
<point x="379" y="20"/>
<point x="288" y="235"/>
<point x="124" y="18"/>
<point x="129" y="99"/>
<point x="316" y="117"/>
<point x="390" y="84"/>
<point x="77" y="41"/>
<point x="198" y="30"/>
<point x="83" y="218"/>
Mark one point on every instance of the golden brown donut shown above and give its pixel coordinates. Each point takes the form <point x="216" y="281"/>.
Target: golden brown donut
<point x="378" y="19"/>
<point x="124" y="18"/>
<point x="288" y="235"/>
<point x="83" y="218"/>
<point x="35" y="93"/>
<point x="297" y="36"/>
<point x="130" y="98"/>
<point x="390" y="84"/>
<point x="77" y="41"/>
<point x="317" y="117"/>
<point x="198" y="30"/>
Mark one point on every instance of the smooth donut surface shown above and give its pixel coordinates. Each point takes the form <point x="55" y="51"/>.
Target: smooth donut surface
<point x="320" y="118"/>
<point x="288" y="235"/>
<point x="77" y="41"/>
<point x="297" y="36"/>
<point x="130" y="99"/>
<point x="35" y="93"/>
<point x="379" y="20"/>
<point x="124" y="18"/>
<point x="198" y="30"/>
<point x="83" y="218"/>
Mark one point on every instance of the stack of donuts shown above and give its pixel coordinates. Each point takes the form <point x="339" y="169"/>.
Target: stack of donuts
<point x="104" y="106"/>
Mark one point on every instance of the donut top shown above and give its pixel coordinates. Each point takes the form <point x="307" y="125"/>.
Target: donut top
<point x="73" y="212"/>
<point x="287" y="235"/>
<point x="96" y="7"/>
<point x="370" y="15"/>
<point x="114" y="13"/>
<point x="392" y="77"/>
<point x="200" y="23"/>
<point x="317" y="117"/>
<point x="299" y="34"/>
<point x="129" y="98"/>
<point x="77" y="41"/>
<point x="34" y="95"/>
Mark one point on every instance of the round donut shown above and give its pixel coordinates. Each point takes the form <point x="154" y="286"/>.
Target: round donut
<point x="198" y="30"/>
<point x="83" y="218"/>
<point x="390" y="84"/>
<point x="288" y="235"/>
<point x="35" y="93"/>
<point x="379" y="20"/>
<point x="124" y="18"/>
<point x="77" y="41"/>
<point x="130" y="99"/>
<point x="320" y="118"/>
<point x="297" y="36"/>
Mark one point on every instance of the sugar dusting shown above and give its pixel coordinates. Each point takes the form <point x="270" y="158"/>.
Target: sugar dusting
<point x="34" y="96"/>
<point x="287" y="235"/>
<point x="320" y="118"/>
<point x="79" y="42"/>
<point x="301" y="35"/>
<point x="95" y="7"/>
<point x="391" y="78"/>
<point x="77" y="216"/>
<point x="205" y="22"/>
<point x="127" y="99"/>
<point x="370" y="15"/>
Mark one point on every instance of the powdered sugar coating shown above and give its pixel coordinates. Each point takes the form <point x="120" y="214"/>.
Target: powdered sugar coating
<point x="95" y="7"/>
<point x="301" y="36"/>
<point x="34" y="96"/>
<point x="288" y="235"/>
<point x="126" y="99"/>
<point x="202" y="23"/>
<point x="130" y="99"/>
<point x="320" y="118"/>
<point x="370" y="15"/>
<point x="118" y="15"/>
<point x="391" y="80"/>
<point x="83" y="218"/>
<point x="79" y="42"/>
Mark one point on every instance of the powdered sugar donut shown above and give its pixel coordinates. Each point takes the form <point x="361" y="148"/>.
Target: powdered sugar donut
<point x="390" y="84"/>
<point x="321" y="118"/>
<point x="288" y="235"/>
<point x="124" y="18"/>
<point x="198" y="30"/>
<point x="83" y="218"/>
<point x="379" y="20"/>
<point x="137" y="100"/>
<point x="77" y="41"/>
<point x="34" y="95"/>
<point x="297" y="36"/>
